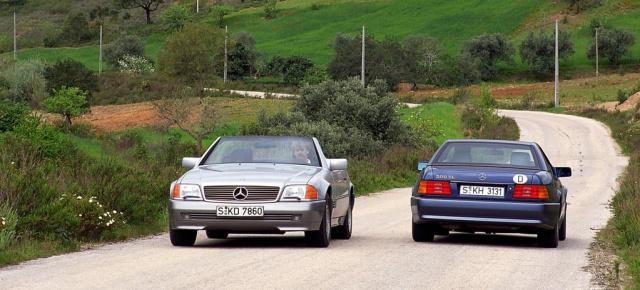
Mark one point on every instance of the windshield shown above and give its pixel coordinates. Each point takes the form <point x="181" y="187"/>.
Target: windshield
<point x="487" y="153"/>
<point x="257" y="149"/>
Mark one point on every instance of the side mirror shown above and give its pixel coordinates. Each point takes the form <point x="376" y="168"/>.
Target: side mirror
<point x="337" y="164"/>
<point x="563" y="171"/>
<point x="190" y="162"/>
<point x="422" y="165"/>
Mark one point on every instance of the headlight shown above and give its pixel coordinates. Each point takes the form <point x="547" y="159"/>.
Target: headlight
<point x="299" y="192"/>
<point x="187" y="191"/>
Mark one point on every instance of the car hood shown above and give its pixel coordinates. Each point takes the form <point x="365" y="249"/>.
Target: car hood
<point x="250" y="174"/>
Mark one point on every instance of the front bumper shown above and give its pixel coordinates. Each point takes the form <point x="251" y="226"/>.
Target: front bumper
<point x="278" y="217"/>
<point x="524" y="217"/>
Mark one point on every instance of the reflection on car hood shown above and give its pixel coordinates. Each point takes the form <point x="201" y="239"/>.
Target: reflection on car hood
<point x="251" y="174"/>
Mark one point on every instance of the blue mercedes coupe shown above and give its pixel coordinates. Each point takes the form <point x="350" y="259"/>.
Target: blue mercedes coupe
<point x="491" y="186"/>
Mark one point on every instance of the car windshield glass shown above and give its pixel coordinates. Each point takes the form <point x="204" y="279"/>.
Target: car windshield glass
<point x="276" y="150"/>
<point x="486" y="153"/>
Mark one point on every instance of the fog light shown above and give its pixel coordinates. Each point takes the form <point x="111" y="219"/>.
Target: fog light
<point x="185" y="216"/>
<point x="296" y="217"/>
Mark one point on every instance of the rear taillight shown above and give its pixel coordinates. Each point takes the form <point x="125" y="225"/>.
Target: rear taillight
<point x="530" y="191"/>
<point x="434" y="187"/>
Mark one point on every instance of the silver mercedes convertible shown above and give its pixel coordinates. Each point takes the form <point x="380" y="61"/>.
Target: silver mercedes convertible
<point x="262" y="185"/>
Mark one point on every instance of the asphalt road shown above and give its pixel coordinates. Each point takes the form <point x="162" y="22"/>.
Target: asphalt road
<point x="380" y="254"/>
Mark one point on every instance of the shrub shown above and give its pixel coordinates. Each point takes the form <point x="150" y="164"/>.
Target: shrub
<point x="125" y="45"/>
<point x="70" y="73"/>
<point x="133" y="64"/>
<point x="12" y="114"/>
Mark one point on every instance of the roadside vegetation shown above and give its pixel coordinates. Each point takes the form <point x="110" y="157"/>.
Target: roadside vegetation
<point x="65" y="185"/>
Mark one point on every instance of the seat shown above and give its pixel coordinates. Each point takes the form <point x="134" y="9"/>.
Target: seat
<point x="520" y="158"/>
<point x="461" y="156"/>
<point x="240" y="155"/>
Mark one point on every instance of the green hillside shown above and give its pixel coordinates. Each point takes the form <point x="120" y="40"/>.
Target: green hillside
<point x="309" y="28"/>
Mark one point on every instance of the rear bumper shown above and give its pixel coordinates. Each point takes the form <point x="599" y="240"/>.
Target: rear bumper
<point x="485" y="215"/>
<point x="278" y="217"/>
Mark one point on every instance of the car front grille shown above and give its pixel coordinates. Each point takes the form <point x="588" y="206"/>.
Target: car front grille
<point x="254" y="193"/>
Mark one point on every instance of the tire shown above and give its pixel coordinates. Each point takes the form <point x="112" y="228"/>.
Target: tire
<point x="216" y="234"/>
<point x="322" y="237"/>
<point x="183" y="238"/>
<point x="549" y="238"/>
<point x="562" y="235"/>
<point x="344" y="231"/>
<point x="422" y="233"/>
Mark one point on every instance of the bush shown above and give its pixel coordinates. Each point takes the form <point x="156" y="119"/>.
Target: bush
<point x="12" y="114"/>
<point x="127" y="45"/>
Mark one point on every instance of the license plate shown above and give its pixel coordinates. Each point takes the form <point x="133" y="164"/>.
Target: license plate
<point x="481" y="190"/>
<point x="239" y="211"/>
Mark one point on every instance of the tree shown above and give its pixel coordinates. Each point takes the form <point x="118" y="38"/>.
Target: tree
<point x="195" y="116"/>
<point x="538" y="51"/>
<point x="69" y="102"/>
<point x="489" y="49"/>
<point x="75" y="30"/>
<point x="384" y="59"/>
<point x="70" y="73"/>
<point x="176" y="16"/>
<point x="147" y="5"/>
<point x="421" y="53"/>
<point x="130" y="45"/>
<point x="238" y="62"/>
<point x="220" y="11"/>
<point x="270" y="11"/>
<point x="193" y="54"/>
<point x="296" y="69"/>
<point x="612" y="44"/>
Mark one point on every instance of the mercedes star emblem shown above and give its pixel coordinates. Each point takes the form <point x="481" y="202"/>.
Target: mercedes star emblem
<point x="482" y="176"/>
<point x="240" y="193"/>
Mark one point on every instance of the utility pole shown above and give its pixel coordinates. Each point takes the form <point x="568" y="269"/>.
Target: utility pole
<point x="15" y="38"/>
<point x="100" y="62"/>
<point x="596" y="56"/>
<point x="225" y="53"/>
<point x="556" y="86"/>
<point x="362" y="70"/>
<point x="197" y="6"/>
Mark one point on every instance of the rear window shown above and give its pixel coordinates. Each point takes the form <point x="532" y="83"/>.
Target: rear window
<point x="486" y="153"/>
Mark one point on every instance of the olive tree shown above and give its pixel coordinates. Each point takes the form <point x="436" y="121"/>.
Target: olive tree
<point x="69" y="102"/>
<point x="489" y="49"/>
<point x="422" y="55"/>
<point x="612" y="44"/>
<point x="538" y="51"/>
<point x="193" y="54"/>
